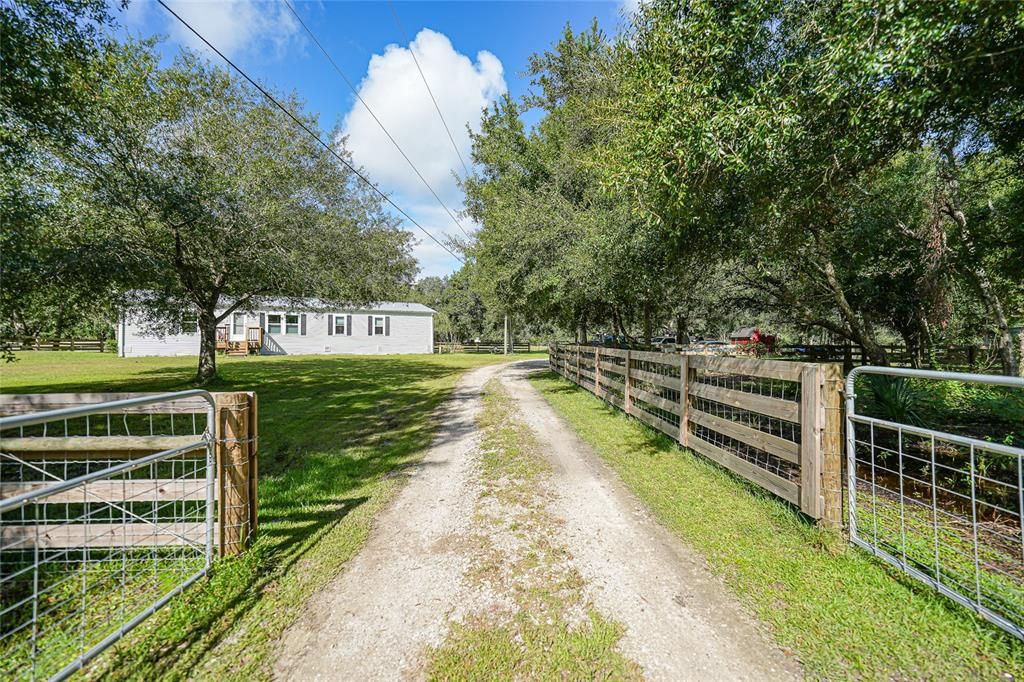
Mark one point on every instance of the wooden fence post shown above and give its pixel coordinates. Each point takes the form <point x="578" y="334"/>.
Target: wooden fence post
<point x="579" y="379"/>
<point x="684" y="400"/>
<point x="627" y="398"/>
<point x="236" y="421"/>
<point x="597" y="371"/>
<point x="832" y="445"/>
<point x="810" y="440"/>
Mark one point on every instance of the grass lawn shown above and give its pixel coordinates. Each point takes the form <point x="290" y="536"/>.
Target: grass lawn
<point x="334" y="434"/>
<point x="843" y="613"/>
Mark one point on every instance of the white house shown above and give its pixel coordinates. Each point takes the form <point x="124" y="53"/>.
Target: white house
<point x="274" y="328"/>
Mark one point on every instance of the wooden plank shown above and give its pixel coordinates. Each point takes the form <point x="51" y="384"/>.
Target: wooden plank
<point x="658" y="379"/>
<point x="654" y="356"/>
<point x="587" y="373"/>
<point x="780" y="447"/>
<point x="773" y="407"/>
<point x="96" y="443"/>
<point x="768" y="369"/>
<point x="684" y="400"/>
<point x="832" y="446"/>
<point x="614" y="352"/>
<point x="41" y="402"/>
<point x="613" y="368"/>
<point x="656" y="401"/>
<point x="614" y="400"/>
<point x="811" y="423"/>
<point x="773" y="483"/>
<point x="128" y="490"/>
<point x="611" y="381"/>
<point x="64" y="536"/>
<point x="668" y="428"/>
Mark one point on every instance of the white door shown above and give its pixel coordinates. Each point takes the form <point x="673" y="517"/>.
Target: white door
<point x="237" y="327"/>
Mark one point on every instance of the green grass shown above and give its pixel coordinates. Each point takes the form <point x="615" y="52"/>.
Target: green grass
<point x="551" y="631"/>
<point x="335" y="433"/>
<point x="843" y="613"/>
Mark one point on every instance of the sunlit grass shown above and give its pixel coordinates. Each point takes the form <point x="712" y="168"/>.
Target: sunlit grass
<point x="843" y="613"/>
<point x="334" y="431"/>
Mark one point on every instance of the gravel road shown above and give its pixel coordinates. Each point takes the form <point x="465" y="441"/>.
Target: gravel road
<point x="397" y="598"/>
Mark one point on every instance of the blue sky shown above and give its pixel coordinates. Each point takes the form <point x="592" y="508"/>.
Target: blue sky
<point x="470" y="52"/>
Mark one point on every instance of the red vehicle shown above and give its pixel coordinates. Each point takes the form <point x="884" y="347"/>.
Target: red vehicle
<point x="752" y="336"/>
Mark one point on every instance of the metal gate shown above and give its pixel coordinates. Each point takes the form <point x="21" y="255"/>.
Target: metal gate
<point x="944" y="507"/>
<point x="106" y="513"/>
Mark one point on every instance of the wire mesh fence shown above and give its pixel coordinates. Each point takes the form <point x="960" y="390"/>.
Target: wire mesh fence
<point x="106" y="512"/>
<point x="945" y="507"/>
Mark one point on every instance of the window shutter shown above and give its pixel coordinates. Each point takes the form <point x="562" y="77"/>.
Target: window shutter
<point x="348" y="326"/>
<point x="387" y="326"/>
<point x="330" y="325"/>
<point x="369" y="325"/>
<point x="263" y="321"/>
<point x="302" y="324"/>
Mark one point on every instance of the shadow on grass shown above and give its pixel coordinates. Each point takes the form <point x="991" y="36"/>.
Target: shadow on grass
<point x="332" y="431"/>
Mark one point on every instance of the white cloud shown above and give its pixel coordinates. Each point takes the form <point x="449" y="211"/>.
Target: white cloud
<point x="232" y="26"/>
<point x="397" y="95"/>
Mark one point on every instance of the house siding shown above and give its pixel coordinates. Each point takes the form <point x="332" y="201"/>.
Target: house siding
<point x="410" y="332"/>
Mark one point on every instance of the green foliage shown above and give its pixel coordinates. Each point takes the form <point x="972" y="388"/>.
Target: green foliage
<point x="894" y="399"/>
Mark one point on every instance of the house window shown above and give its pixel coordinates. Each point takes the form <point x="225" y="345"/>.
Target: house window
<point x="238" y="324"/>
<point x="339" y="325"/>
<point x="291" y="325"/>
<point x="378" y="326"/>
<point x="273" y="324"/>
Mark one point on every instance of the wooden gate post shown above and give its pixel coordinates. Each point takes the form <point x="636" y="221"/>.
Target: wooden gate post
<point x="810" y="440"/>
<point x="236" y="420"/>
<point x="627" y="398"/>
<point x="684" y="400"/>
<point x="832" y="445"/>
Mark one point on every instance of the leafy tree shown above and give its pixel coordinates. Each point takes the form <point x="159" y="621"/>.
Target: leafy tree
<point x="217" y="199"/>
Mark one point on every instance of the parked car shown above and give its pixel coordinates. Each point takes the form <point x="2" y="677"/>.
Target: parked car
<point x="664" y="343"/>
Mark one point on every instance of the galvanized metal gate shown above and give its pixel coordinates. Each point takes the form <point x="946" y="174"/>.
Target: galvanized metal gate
<point x="947" y="508"/>
<point x="106" y="512"/>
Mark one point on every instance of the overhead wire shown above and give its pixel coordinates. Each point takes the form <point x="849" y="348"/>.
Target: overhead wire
<point x="423" y="77"/>
<point x="309" y="131"/>
<point x="369" y="110"/>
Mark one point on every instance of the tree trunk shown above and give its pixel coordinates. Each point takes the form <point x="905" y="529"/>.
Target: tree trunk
<point x="648" y="325"/>
<point x="682" y="333"/>
<point x="581" y="330"/>
<point x="207" y="347"/>
<point x="975" y="270"/>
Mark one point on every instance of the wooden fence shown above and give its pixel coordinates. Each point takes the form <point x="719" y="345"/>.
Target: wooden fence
<point x="236" y="440"/>
<point x="777" y="424"/>
<point x="953" y="358"/>
<point x="494" y="347"/>
<point x="40" y="343"/>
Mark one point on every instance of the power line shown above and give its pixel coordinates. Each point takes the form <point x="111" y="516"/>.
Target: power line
<point x="309" y="131"/>
<point x="372" y="114"/>
<point x="398" y="22"/>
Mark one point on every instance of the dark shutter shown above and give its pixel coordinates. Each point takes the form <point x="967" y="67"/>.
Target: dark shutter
<point x="348" y="326"/>
<point x="330" y="325"/>
<point x="387" y="326"/>
<point x="302" y="324"/>
<point x="369" y="325"/>
<point x="263" y="321"/>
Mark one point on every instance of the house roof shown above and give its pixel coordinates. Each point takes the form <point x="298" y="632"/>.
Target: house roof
<point x="317" y="304"/>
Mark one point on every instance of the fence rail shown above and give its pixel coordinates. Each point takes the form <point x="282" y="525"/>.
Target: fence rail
<point x="493" y="347"/>
<point x="111" y="504"/>
<point x="775" y="423"/>
<point x="41" y="343"/>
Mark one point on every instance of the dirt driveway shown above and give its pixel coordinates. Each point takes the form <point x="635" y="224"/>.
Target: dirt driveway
<point x="398" y="599"/>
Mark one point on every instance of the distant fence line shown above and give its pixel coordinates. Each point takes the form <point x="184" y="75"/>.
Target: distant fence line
<point x="43" y="343"/>
<point x="777" y="424"/>
<point x="493" y="347"/>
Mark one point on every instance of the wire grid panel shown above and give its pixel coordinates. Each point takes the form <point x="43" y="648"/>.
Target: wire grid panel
<point x="786" y="429"/>
<point x="97" y="530"/>
<point x="944" y="507"/>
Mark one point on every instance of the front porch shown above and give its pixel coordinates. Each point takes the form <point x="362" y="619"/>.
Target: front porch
<point x="252" y="344"/>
